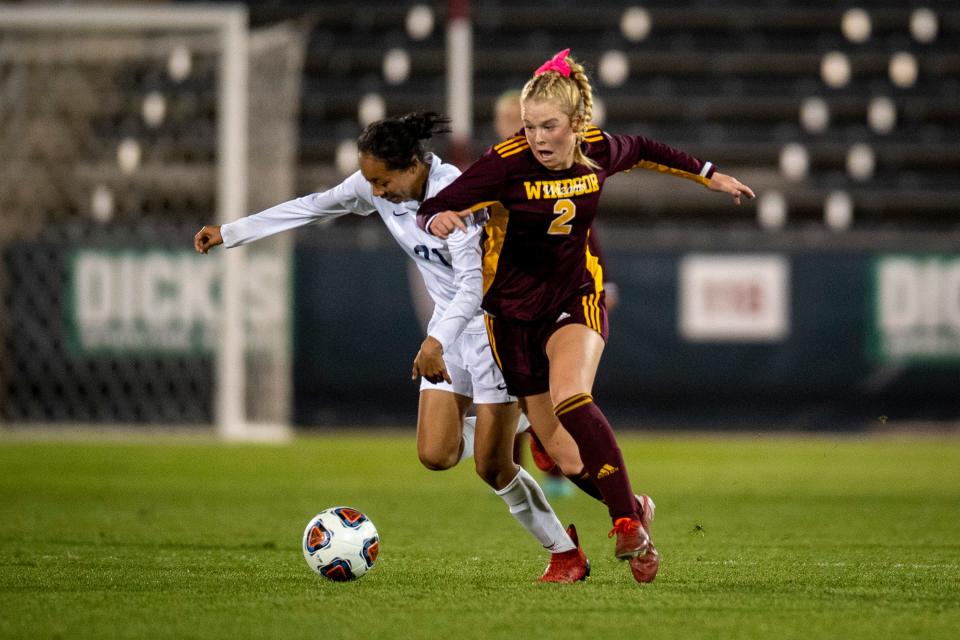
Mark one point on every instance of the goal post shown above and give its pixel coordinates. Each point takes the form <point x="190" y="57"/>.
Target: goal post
<point x="154" y="113"/>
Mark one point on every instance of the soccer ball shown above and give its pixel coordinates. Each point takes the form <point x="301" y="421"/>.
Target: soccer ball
<point x="340" y="543"/>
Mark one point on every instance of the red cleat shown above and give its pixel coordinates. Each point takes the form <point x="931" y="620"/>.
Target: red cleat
<point x="634" y="544"/>
<point x="540" y="456"/>
<point x="568" y="566"/>
<point x="645" y="567"/>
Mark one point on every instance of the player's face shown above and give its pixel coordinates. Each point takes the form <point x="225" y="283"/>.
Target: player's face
<point x="395" y="185"/>
<point x="549" y="133"/>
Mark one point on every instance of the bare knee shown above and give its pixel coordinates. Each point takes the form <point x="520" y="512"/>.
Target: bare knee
<point x="439" y="428"/>
<point x="438" y="459"/>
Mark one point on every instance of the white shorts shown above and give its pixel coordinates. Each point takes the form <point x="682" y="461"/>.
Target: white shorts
<point x="473" y="371"/>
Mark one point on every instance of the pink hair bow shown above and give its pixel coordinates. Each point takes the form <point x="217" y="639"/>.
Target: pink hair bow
<point x="557" y="63"/>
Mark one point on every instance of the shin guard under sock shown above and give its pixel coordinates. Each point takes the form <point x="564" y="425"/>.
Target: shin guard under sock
<point x="530" y="508"/>
<point x="600" y="453"/>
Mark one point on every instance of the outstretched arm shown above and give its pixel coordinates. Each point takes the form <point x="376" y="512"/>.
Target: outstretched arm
<point x="350" y="196"/>
<point x="627" y="152"/>
<point x="207" y="238"/>
<point x="728" y="184"/>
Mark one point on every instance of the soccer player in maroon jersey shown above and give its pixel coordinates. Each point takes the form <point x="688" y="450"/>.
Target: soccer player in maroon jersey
<point x="543" y="287"/>
<point x="508" y="123"/>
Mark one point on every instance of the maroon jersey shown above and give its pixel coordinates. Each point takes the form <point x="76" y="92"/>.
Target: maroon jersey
<point x="535" y="250"/>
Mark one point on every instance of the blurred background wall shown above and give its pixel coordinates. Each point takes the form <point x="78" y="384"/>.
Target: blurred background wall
<point x="830" y="302"/>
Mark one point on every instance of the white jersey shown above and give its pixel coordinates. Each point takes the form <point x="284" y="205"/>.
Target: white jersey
<point x="451" y="268"/>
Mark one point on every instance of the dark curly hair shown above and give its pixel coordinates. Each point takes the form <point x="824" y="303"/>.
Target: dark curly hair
<point x="396" y="141"/>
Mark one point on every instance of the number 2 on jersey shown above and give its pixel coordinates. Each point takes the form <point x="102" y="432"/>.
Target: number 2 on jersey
<point x="565" y="210"/>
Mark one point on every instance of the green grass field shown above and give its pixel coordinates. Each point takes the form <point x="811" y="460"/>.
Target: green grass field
<point x="761" y="537"/>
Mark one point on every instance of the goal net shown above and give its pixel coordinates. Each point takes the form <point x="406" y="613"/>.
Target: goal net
<point x="122" y="131"/>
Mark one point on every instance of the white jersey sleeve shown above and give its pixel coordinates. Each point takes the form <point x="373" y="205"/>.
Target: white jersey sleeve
<point x="353" y="195"/>
<point x="466" y="259"/>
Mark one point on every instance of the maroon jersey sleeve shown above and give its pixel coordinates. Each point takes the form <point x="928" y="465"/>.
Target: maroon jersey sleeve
<point x="628" y="152"/>
<point x="477" y="187"/>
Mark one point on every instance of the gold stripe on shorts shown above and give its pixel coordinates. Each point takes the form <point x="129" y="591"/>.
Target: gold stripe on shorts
<point x="488" y="321"/>
<point x="591" y="311"/>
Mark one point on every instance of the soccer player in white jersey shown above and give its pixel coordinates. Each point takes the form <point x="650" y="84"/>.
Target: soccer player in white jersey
<point x="455" y="360"/>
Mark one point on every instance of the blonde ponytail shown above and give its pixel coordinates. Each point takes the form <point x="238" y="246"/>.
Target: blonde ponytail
<point x="579" y="76"/>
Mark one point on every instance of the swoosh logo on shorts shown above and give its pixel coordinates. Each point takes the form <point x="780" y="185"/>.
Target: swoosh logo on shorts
<point x="402" y="213"/>
<point x="501" y="387"/>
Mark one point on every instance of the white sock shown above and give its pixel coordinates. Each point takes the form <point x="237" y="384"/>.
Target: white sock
<point x="469" y="429"/>
<point x="523" y="424"/>
<point x="531" y="509"/>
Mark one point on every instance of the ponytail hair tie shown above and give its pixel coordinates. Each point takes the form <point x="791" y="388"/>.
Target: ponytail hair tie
<point x="557" y="63"/>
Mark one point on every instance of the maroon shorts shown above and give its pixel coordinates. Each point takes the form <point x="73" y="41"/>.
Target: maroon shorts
<point x="520" y="348"/>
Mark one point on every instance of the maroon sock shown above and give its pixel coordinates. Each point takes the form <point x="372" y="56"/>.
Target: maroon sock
<point x="585" y="483"/>
<point x="600" y="453"/>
